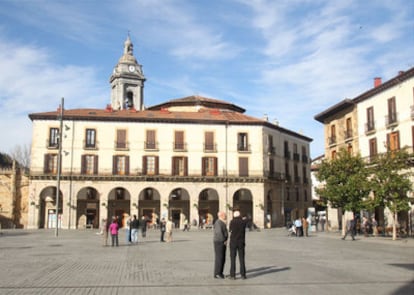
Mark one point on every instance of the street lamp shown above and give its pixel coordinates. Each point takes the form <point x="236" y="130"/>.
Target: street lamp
<point x="59" y="160"/>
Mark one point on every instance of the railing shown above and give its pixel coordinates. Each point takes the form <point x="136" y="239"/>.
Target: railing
<point x="90" y="145"/>
<point x="179" y="146"/>
<point x="210" y="148"/>
<point x="370" y="127"/>
<point x="287" y="155"/>
<point x="150" y="145"/>
<point x="348" y="134"/>
<point x="271" y="150"/>
<point x="243" y="148"/>
<point x="332" y="140"/>
<point x="391" y="119"/>
<point x="121" y="145"/>
<point x="296" y="157"/>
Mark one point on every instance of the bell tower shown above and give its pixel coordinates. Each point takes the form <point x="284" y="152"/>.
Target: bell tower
<point x="127" y="81"/>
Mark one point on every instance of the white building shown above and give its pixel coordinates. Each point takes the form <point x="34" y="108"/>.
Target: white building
<point x="186" y="158"/>
<point x="378" y="120"/>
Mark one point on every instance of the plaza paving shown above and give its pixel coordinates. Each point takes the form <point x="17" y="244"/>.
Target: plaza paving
<point x="75" y="262"/>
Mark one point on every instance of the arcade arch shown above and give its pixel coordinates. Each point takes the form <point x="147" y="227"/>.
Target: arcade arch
<point x="149" y="204"/>
<point x="47" y="208"/>
<point x="179" y="206"/>
<point x="119" y="204"/>
<point x="208" y="206"/>
<point x="87" y="213"/>
<point x="243" y="200"/>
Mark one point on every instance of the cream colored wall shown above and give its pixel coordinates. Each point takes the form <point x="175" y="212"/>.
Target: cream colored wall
<point x="403" y="93"/>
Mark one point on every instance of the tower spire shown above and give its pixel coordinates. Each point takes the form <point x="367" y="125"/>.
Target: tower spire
<point x="127" y="81"/>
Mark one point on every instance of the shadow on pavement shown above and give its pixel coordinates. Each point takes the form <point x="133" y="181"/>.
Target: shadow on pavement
<point x="256" y="272"/>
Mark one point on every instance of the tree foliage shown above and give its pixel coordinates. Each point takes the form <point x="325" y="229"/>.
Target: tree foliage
<point x="345" y="180"/>
<point x="390" y="182"/>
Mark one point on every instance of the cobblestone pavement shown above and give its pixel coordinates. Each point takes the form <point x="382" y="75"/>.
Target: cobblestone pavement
<point x="75" y="262"/>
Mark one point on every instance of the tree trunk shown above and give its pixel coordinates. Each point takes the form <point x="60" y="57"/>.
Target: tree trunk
<point x="394" y="226"/>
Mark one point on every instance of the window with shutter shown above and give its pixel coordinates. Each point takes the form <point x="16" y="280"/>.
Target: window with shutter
<point x="243" y="166"/>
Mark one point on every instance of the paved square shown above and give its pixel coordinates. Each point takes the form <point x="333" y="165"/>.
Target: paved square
<point x="75" y="262"/>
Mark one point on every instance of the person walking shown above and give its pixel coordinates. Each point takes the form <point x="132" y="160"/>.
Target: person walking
<point x="168" y="229"/>
<point x="220" y="244"/>
<point x="237" y="244"/>
<point x="143" y="226"/>
<point x="299" y="229"/>
<point x="134" y="229"/>
<point x="374" y="227"/>
<point x="162" y="229"/>
<point x="350" y="228"/>
<point x="305" y="227"/>
<point x="113" y="229"/>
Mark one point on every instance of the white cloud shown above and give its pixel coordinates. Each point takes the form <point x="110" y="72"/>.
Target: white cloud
<point x="32" y="82"/>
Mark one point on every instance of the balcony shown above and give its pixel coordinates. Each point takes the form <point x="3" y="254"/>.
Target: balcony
<point x="271" y="150"/>
<point x="287" y="155"/>
<point x="52" y="145"/>
<point x="150" y="146"/>
<point x="243" y="148"/>
<point x="332" y="140"/>
<point x="210" y="148"/>
<point x="370" y="127"/>
<point x="348" y="134"/>
<point x="90" y="145"/>
<point x="305" y="159"/>
<point x="296" y="157"/>
<point x="391" y="120"/>
<point x="121" y="146"/>
<point x="179" y="146"/>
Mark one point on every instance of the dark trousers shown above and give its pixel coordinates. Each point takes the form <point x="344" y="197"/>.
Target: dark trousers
<point x="162" y="236"/>
<point x="115" y="240"/>
<point x="349" y="231"/>
<point x="237" y="248"/>
<point x="220" y="257"/>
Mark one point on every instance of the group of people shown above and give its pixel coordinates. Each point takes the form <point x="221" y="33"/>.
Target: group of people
<point x="300" y="227"/>
<point x="133" y="226"/>
<point x="237" y="229"/>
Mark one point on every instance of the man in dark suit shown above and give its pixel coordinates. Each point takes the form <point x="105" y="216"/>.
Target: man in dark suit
<point x="237" y="244"/>
<point x="350" y="228"/>
<point x="220" y="243"/>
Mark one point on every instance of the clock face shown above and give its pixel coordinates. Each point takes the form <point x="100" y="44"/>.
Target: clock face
<point x="131" y="68"/>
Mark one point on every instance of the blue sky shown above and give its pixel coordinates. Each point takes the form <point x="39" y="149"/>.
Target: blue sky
<point x="289" y="59"/>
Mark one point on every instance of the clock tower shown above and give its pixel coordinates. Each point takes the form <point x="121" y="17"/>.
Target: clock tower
<point x="127" y="81"/>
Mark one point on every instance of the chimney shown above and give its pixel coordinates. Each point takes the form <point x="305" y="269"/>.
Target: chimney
<point x="377" y="81"/>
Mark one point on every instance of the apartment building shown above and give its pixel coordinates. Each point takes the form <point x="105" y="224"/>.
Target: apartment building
<point x="184" y="159"/>
<point x="377" y="120"/>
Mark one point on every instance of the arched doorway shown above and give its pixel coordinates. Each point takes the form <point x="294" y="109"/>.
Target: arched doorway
<point x="119" y="204"/>
<point x="149" y="205"/>
<point x="47" y="212"/>
<point x="208" y="206"/>
<point x="243" y="200"/>
<point x="87" y="208"/>
<point x="179" y="206"/>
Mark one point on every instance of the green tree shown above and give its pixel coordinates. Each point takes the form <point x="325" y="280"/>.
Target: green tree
<point x="345" y="182"/>
<point x="390" y="182"/>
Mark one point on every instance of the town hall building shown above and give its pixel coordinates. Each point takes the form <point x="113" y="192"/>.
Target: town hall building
<point x="183" y="159"/>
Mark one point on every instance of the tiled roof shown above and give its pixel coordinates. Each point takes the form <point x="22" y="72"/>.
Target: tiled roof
<point x="228" y="114"/>
<point x="196" y="100"/>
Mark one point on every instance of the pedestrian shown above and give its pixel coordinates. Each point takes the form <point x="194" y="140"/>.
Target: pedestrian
<point x="168" y="229"/>
<point x="298" y="226"/>
<point x="134" y="229"/>
<point x="162" y="229"/>
<point x="322" y="221"/>
<point x="143" y="226"/>
<point x="220" y="244"/>
<point x="127" y="229"/>
<point x="113" y="229"/>
<point x="237" y="244"/>
<point x="350" y="228"/>
<point x="305" y="226"/>
<point x="374" y="227"/>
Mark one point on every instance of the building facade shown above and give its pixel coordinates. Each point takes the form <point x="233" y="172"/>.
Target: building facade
<point x="184" y="159"/>
<point x="378" y="120"/>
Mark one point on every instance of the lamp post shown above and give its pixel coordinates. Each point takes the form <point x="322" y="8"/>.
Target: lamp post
<point x="59" y="159"/>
